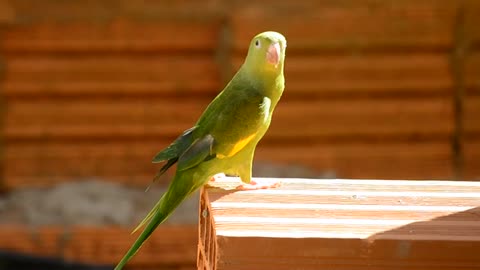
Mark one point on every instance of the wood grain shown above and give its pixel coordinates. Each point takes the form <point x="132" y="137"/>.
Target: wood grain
<point x="471" y="148"/>
<point x="351" y="75"/>
<point x="350" y="25"/>
<point x="334" y="223"/>
<point x="471" y="116"/>
<point x="471" y="110"/>
<point x="369" y="89"/>
<point x="87" y="118"/>
<point x="113" y="37"/>
<point x="37" y="163"/>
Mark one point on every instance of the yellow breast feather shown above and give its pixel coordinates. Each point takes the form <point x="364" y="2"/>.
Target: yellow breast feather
<point x="238" y="146"/>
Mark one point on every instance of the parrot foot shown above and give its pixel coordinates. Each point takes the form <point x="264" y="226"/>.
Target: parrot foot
<point x="217" y="176"/>
<point x="254" y="185"/>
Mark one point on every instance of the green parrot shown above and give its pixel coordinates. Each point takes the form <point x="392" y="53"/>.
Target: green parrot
<point x="224" y="138"/>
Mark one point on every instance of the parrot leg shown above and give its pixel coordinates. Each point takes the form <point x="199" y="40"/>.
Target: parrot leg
<point x="254" y="185"/>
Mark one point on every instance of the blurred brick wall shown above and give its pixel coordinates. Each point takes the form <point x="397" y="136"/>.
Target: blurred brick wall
<point x="171" y="247"/>
<point x="468" y="54"/>
<point x="375" y="89"/>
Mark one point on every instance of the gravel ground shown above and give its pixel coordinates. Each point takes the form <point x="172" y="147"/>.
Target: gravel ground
<point x="97" y="202"/>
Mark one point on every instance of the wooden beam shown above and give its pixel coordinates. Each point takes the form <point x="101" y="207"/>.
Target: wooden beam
<point x="340" y="224"/>
<point x="349" y="25"/>
<point x="117" y="36"/>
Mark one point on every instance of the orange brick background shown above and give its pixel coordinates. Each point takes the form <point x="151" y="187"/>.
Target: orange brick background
<point x="374" y="88"/>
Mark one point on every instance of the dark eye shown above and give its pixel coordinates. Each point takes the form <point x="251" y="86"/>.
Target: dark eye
<point x="257" y="43"/>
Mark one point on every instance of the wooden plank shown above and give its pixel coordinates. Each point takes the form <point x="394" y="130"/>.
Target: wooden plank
<point x="349" y="25"/>
<point x="110" y="75"/>
<point x="471" y="115"/>
<point x="326" y="118"/>
<point x="367" y="64"/>
<point x="352" y="67"/>
<point x="124" y="149"/>
<point x="112" y="37"/>
<point x="48" y="163"/>
<point x="398" y="130"/>
<point x="92" y="132"/>
<point x="388" y="160"/>
<point x="366" y="86"/>
<point x="471" y="22"/>
<point x="91" y="111"/>
<point x="471" y="71"/>
<point x="187" y="8"/>
<point x="471" y="111"/>
<point x="86" y="118"/>
<point x="83" y="167"/>
<point x="161" y="111"/>
<point x="3" y="103"/>
<point x="120" y="161"/>
<point x="363" y="74"/>
<point x="117" y="89"/>
<point x="244" y="230"/>
<point x="332" y="155"/>
<point x="471" y="149"/>
<point x="100" y="11"/>
<point x="7" y="12"/>
<point x="48" y="10"/>
<point x="137" y="180"/>
<point x="107" y="68"/>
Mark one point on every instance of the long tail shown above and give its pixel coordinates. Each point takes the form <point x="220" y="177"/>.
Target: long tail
<point x="162" y="210"/>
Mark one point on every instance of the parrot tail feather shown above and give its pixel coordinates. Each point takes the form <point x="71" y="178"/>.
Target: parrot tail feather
<point x="162" y="170"/>
<point x="149" y="216"/>
<point x="157" y="216"/>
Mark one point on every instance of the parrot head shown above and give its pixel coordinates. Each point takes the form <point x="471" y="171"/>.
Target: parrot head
<point x="266" y="54"/>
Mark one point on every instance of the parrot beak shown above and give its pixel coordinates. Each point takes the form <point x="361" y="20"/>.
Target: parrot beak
<point x="273" y="54"/>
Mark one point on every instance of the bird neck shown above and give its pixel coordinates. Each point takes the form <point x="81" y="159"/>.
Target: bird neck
<point x="268" y="83"/>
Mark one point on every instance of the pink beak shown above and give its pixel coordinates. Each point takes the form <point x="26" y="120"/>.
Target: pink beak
<point x="273" y="54"/>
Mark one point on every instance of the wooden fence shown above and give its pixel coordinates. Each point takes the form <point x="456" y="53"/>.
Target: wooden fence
<point x="375" y="89"/>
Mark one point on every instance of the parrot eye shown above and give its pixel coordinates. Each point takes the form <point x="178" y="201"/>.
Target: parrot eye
<point x="257" y="43"/>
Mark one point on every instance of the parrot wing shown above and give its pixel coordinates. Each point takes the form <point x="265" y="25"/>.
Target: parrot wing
<point x="172" y="153"/>
<point x="175" y="149"/>
<point x="200" y="150"/>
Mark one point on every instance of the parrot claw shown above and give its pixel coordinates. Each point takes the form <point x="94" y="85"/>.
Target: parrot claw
<point x="217" y="176"/>
<point x="254" y="185"/>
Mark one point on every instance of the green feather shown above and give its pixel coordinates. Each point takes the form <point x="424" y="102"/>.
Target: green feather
<point x="174" y="150"/>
